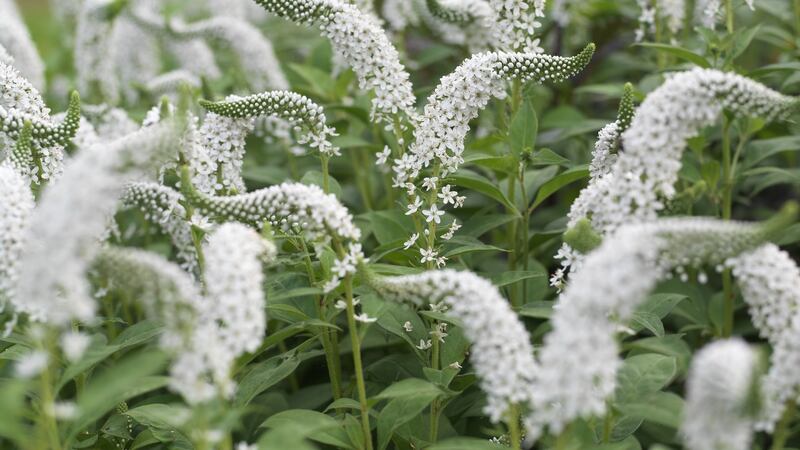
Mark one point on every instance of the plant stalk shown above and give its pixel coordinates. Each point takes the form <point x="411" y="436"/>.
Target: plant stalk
<point x="355" y="342"/>
<point x="727" y="205"/>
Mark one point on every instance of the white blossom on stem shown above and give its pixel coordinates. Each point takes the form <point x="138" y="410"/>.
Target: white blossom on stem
<point x="720" y="383"/>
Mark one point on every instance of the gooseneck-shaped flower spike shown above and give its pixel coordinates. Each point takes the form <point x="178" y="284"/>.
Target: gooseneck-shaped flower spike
<point x="646" y="171"/>
<point x="604" y="157"/>
<point x="44" y="132"/>
<point x="363" y="45"/>
<point x="603" y="294"/>
<point x="16" y="206"/>
<point x="298" y="110"/>
<point x="769" y="280"/>
<point x="501" y="352"/>
<point x="71" y="218"/>
<point x="16" y="40"/>
<point x="290" y="208"/>
<point x="162" y="205"/>
<point x="231" y="318"/>
<point x="459" y="98"/>
<point x="254" y="51"/>
<point x="167" y="293"/>
<point x="721" y="382"/>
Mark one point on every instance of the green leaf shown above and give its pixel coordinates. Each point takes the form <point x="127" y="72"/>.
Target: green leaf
<point x="561" y="180"/>
<point x="643" y="374"/>
<point x="263" y="376"/>
<point x="481" y="184"/>
<point x="157" y="415"/>
<point x="680" y="52"/>
<point x="312" y="425"/>
<point x="647" y="320"/>
<point x="663" y="408"/>
<point x="514" y="276"/>
<point x="127" y="378"/>
<point x="537" y="310"/>
<point x="409" y="387"/>
<point x="742" y="40"/>
<point x="314" y="177"/>
<point x="547" y="157"/>
<point x="400" y="411"/>
<point x="524" y="129"/>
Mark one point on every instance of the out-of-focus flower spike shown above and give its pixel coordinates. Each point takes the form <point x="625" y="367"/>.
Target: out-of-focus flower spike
<point x="16" y="206"/>
<point x="769" y="280"/>
<point x="501" y="352"/>
<point x="721" y="380"/>
<point x="96" y="74"/>
<point x="603" y="294"/>
<point x="518" y="19"/>
<point x="16" y="40"/>
<point x="254" y="51"/>
<point x="5" y="57"/>
<point x="167" y="293"/>
<point x="363" y="45"/>
<point x="72" y="216"/>
<point x="162" y="205"/>
<point x="298" y="110"/>
<point x="456" y="13"/>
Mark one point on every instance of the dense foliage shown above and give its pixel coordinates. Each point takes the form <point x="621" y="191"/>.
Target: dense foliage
<point x="399" y="224"/>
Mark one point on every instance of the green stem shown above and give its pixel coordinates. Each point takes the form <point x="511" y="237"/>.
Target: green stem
<point x="729" y="15"/>
<point x="727" y="205"/>
<point x="797" y="17"/>
<point x="608" y="423"/>
<point x="331" y="357"/>
<point x="325" y="174"/>
<point x="434" y="424"/>
<point x="782" y="431"/>
<point x="47" y="421"/>
<point x="355" y="342"/>
<point x="525" y="229"/>
<point x="514" y="431"/>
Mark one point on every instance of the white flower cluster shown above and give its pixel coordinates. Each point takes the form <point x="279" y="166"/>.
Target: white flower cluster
<point x="162" y="205"/>
<point x="5" y="57"/>
<point x="672" y="11"/>
<point x="135" y="65"/>
<point x="400" y="14"/>
<point x="501" y="352"/>
<point x="16" y="41"/>
<point x="708" y="12"/>
<point x="109" y="123"/>
<point x="579" y="360"/>
<point x="231" y="317"/>
<point x="477" y="20"/>
<point x="221" y="142"/>
<point x="770" y="283"/>
<point x="363" y="45"/>
<point x="307" y="117"/>
<point x="16" y="205"/>
<point x="290" y="208"/>
<point x="205" y="331"/>
<point x="720" y="382"/>
<point x="167" y="293"/>
<point x="604" y="157"/>
<point x="646" y="171"/>
<point x="459" y="98"/>
<point x="94" y="68"/>
<point x="72" y="216"/>
<point x="518" y="21"/>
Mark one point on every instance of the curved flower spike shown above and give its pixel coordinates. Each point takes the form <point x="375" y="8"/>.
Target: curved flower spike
<point x="646" y="171"/>
<point x="162" y="205"/>
<point x="721" y="381"/>
<point x="297" y="109"/>
<point x="16" y="206"/>
<point x="290" y="208"/>
<point x="170" y="82"/>
<point x="501" y="351"/>
<point x="477" y="20"/>
<point x="769" y="280"/>
<point x="167" y="292"/>
<point x="43" y="132"/>
<point x="604" y="293"/>
<point x="254" y="51"/>
<point x="458" y="13"/>
<point x="72" y="216"/>
<point x="16" y="40"/>
<point x="364" y="47"/>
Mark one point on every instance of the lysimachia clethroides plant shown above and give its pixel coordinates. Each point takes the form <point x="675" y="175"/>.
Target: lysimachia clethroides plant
<point x="300" y="224"/>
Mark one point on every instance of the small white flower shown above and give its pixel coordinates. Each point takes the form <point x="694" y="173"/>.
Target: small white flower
<point x="31" y="364"/>
<point x="429" y="183"/>
<point x="64" y="410"/>
<point x="441" y="262"/>
<point x="455" y="365"/>
<point x="414" y="207"/>
<point x="428" y="254"/>
<point x="200" y="221"/>
<point x="411" y="241"/>
<point x="448" y="195"/>
<point x="74" y="345"/>
<point x="424" y="345"/>
<point x="364" y="318"/>
<point x="340" y="305"/>
<point x="434" y="214"/>
<point x="408" y="327"/>
<point x="381" y="157"/>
